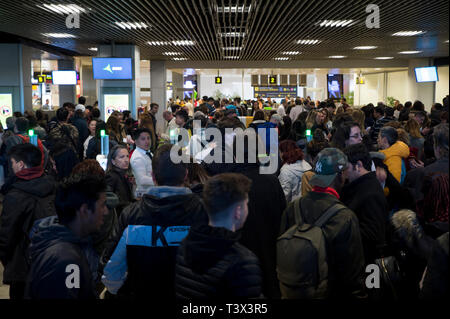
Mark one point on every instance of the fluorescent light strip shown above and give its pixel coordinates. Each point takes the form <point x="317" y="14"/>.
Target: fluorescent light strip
<point x="158" y="43"/>
<point x="179" y="59"/>
<point x="93" y="49"/>
<point x="336" y="23"/>
<point x="408" y="33"/>
<point x="183" y="42"/>
<point x="59" y="35"/>
<point x="367" y="47"/>
<point x="232" y="34"/>
<point x="131" y="25"/>
<point x="239" y="9"/>
<point x="172" y="53"/>
<point x="291" y="53"/>
<point x="231" y="57"/>
<point x="410" y="52"/>
<point x="62" y="8"/>
<point x="337" y="56"/>
<point x="232" y="48"/>
<point x="309" y="42"/>
<point x="282" y="59"/>
<point x="384" y="58"/>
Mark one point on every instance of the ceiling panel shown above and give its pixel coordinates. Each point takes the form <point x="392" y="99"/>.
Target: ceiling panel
<point x="248" y="30"/>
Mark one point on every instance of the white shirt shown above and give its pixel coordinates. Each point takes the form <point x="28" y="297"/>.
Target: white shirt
<point x="86" y="144"/>
<point x="281" y="111"/>
<point x="141" y="164"/>
<point x="170" y="126"/>
<point x="190" y="108"/>
<point x="295" y="112"/>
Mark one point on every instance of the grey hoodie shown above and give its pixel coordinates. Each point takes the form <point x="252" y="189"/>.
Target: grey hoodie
<point x="291" y="179"/>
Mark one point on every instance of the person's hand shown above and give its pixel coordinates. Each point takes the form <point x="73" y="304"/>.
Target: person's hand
<point x="381" y="175"/>
<point x="426" y="131"/>
<point x="413" y="163"/>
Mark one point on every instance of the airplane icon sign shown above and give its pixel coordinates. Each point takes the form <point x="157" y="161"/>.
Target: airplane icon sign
<point x="108" y="68"/>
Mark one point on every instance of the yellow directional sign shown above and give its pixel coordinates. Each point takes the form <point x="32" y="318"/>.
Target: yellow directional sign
<point x="218" y="80"/>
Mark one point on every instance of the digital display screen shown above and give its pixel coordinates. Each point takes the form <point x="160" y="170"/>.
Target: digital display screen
<point x="427" y="74"/>
<point x="64" y="77"/>
<point x="112" y="68"/>
<point x="335" y="85"/>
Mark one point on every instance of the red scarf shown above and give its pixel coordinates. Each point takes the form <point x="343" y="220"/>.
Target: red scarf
<point x="327" y="190"/>
<point x="30" y="173"/>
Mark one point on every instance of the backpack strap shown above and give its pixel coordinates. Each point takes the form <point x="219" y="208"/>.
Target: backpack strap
<point x="330" y="212"/>
<point x="297" y="213"/>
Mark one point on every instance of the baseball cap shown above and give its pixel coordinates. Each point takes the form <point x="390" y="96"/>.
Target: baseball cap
<point x="80" y="107"/>
<point x="330" y="162"/>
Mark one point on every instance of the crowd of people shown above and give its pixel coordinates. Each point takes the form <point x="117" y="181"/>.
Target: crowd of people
<point x="353" y="187"/>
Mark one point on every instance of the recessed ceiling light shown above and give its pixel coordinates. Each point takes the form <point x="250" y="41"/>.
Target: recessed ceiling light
<point x="232" y="34"/>
<point x="281" y="59"/>
<point x="407" y="33"/>
<point x="239" y="9"/>
<point x="230" y="57"/>
<point x="179" y="59"/>
<point x="62" y="8"/>
<point x="367" y="47"/>
<point x="58" y="35"/>
<point x="335" y="23"/>
<point x="291" y="53"/>
<point x="384" y="58"/>
<point x="172" y="53"/>
<point x="131" y="25"/>
<point x="232" y="48"/>
<point x="337" y="56"/>
<point x="183" y="42"/>
<point x="309" y="42"/>
<point x="410" y="52"/>
<point x="93" y="49"/>
<point x="158" y="43"/>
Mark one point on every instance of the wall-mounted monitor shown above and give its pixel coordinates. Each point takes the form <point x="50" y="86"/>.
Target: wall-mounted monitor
<point x="426" y="74"/>
<point x="64" y="77"/>
<point x="335" y="85"/>
<point x="112" y="68"/>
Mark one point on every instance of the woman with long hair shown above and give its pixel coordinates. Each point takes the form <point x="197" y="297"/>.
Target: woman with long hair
<point x="146" y="121"/>
<point x="415" y="137"/>
<point x="114" y="130"/>
<point x="291" y="173"/>
<point x="119" y="177"/>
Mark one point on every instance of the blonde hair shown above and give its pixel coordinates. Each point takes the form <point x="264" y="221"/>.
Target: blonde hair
<point x="403" y="136"/>
<point x="413" y="128"/>
<point x="311" y="119"/>
<point x="360" y="118"/>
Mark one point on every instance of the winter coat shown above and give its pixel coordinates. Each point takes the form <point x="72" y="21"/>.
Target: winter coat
<point x="83" y="132"/>
<point x="64" y="134"/>
<point x="372" y="209"/>
<point x="143" y="255"/>
<point x="25" y="202"/>
<point x="345" y="255"/>
<point x="394" y="157"/>
<point x="211" y="264"/>
<point x="121" y="186"/>
<point x="291" y="179"/>
<point x="260" y="232"/>
<point x="54" y="247"/>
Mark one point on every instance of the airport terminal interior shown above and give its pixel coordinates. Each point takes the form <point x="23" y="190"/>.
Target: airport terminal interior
<point x="342" y="104"/>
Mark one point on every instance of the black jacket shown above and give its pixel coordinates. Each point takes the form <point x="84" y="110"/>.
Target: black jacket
<point x="53" y="248"/>
<point x="25" y="202"/>
<point x="83" y="132"/>
<point x="211" y="264"/>
<point x="345" y="255"/>
<point x="121" y="186"/>
<point x="371" y="208"/>
<point x="260" y="232"/>
<point x="153" y="229"/>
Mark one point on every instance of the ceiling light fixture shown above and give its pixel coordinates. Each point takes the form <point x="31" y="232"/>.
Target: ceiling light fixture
<point x="336" y="23"/>
<point x="337" y="56"/>
<point x="291" y="53"/>
<point x="281" y="59"/>
<point x="384" y="58"/>
<point x="232" y="48"/>
<point x="131" y="25"/>
<point x="93" y="49"/>
<point x="62" y="8"/>
<point x="408" y="33"/>
<point x="158" y="43"/>
<point x="308" y="42"/>
<point x="238" y="9"/>
<point x="59" y="35"/>
<point x="410" y="52"/>
<point x="366" y="47"/>
<point x="232" y="34"/>
<point x="179" y="59"/>
<point x="172" y="53"/>
<point x="183" y="42"/>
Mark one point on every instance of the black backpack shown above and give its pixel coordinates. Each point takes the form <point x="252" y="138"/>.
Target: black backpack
<point x="302" y="264"/>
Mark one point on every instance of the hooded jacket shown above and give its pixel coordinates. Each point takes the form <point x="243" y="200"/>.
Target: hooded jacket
<point x="211" y="264"/>
<point x="291" y="179"/>
<point x="55" y="252"/>
<point x="394" y="157"/>
<point x="25" y="202"/>
<point x="143" y="255"/>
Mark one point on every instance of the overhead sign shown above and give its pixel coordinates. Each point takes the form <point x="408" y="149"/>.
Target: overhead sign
<point x="169" y="86"/>
<point x="112" y="68"/>
<point x="64" y="77"/>
<point x="218" y="80"/>
<point x="272" y="80"/>
<point x="42" y="78"/>
<point x="360" y="80"/>
<point x="275" y="92"/>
